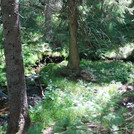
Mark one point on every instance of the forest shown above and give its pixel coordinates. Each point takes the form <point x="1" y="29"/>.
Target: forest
<point x="66" y="67"/>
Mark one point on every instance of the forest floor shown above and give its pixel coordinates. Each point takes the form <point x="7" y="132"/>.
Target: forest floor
<point x="127" y="102"/>
<point x="90" y="103"/>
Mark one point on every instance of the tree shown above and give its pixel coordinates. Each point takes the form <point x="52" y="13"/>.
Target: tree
<point x="18" y="107"/>
<point x="52" y="6"/>
<point x="74" y="59"/>
<point x="48" y="21"/>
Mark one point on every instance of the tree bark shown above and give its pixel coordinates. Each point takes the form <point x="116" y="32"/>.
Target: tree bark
<point x="74" y="59"/>
<point x="51" y="7"/>
<point x="18" y="107"/>
<point x="48" y="22"/>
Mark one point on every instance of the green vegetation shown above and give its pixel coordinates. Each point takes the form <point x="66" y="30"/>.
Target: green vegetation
<point x="93" y="101"/>
<point x="3" y="129"/>
<point x="72" y="106"/>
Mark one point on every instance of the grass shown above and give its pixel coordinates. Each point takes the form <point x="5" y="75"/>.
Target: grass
<point x="106" y="72"/>
<point x="72" y="106"/>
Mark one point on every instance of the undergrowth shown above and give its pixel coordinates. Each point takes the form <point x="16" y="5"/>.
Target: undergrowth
<point x="73" y="106"/>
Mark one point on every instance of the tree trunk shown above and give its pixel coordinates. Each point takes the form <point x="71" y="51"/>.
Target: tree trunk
<point x="19" y="115"/>
<point x="74" y="59"/>
<point x="48" y="22"/>
<point x="52" y="7"/>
